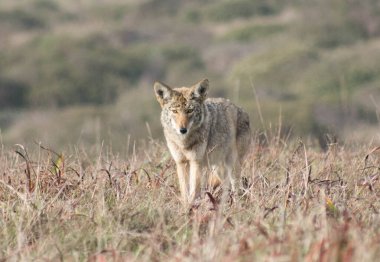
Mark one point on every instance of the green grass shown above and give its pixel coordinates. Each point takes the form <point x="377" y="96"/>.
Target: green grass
<point x="300" y="204"/>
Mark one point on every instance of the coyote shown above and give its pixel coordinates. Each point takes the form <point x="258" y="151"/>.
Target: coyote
<point x="202" y="135"/>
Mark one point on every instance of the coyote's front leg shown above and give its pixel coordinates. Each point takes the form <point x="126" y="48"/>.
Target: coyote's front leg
<point x="182" y="175"/>
<point x="195" y="177"/>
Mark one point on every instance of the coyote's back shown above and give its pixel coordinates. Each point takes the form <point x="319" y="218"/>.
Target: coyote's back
<point x="229" y="127"/>
<point x="202" y="134"/>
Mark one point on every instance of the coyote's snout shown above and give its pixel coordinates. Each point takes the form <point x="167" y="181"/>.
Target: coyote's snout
<point x="202" y="135"/>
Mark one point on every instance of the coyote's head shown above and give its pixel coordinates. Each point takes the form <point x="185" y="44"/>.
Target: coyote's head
<point x="182" y="108"/>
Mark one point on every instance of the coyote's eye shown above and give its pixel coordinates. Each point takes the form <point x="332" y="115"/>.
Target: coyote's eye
<point x="174" y="111"/>
<point x="189" y="111"/>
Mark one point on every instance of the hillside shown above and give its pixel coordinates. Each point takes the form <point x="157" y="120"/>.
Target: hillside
<point x="75" y="72"/>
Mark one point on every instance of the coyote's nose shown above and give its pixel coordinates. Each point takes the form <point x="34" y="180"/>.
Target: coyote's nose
<point x="183" y="130"/>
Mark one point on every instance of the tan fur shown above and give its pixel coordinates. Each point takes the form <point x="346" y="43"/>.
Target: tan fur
<point x="217" y="135"/>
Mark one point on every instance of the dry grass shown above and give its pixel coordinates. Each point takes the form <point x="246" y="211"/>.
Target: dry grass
<point x="89" y="204"/>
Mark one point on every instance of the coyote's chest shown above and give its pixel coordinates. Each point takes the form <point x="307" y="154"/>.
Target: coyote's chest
<point x="187" y="150"/>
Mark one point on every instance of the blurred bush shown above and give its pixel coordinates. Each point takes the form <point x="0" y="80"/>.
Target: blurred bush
<point x="330" y="23"/>
<point x="160" y="7"/>
<point x="62" y="71"/>
<point x="22" y="19"/>
<point x="253" y="32"/>
<point x="227" y="10"/>
<point x="12" y="93"/>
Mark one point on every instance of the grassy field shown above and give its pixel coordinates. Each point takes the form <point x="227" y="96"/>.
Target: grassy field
<point x="298" y="203"/>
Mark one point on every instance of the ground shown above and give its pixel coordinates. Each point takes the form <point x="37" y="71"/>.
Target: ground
<point x="297" y="203"/>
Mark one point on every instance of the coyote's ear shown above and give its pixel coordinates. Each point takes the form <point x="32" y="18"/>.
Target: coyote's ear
<point x="200" y="90"/>
<point x="163" y="92"/>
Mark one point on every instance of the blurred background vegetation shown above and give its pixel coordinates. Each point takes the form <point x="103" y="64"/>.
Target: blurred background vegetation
<point x="81" y="72"/>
